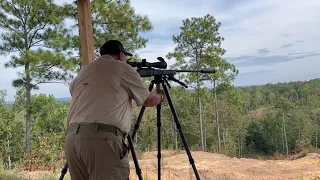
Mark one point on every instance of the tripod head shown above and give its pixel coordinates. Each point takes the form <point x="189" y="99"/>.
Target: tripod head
<point x="157" y="70"/>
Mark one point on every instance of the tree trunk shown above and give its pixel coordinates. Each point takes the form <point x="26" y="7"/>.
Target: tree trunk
<point x="136" y="138"/>
<point x="9" y="162"/>
<point x="282" y="139"/>
<point x="316" y="136"/>
<point x="28" y="113"/>
<point x="285" y="134"/>
<point x="28" y="90"/>
<point x="199" y="100"/>
<point x="239" y="154"/>
<point x="9" y="157"/>
<point x="316" y="124"/>
<point x="226" y="134"/>
<point x="174" y="135"/>
<point x="224" y="137"/>
<point x="200" y="116"/>
<point x="240" y="145"/>
<point x="205" y="139"/>
<point x="217" y="115"/>
<point x="205" y="133"/>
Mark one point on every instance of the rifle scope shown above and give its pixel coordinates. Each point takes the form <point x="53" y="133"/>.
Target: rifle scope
<point x="159" y="65"/>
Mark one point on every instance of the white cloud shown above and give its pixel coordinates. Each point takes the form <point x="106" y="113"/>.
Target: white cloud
<point x="152" y="51"/>
<point x="251" y="26"/>
<point x="251" y="69"/>
<point x="295" y="70"/>
<point x="264" y="30"/>
<point x="167" y="14"/>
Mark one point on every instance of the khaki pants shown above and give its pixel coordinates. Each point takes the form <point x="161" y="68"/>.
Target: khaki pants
<point x="96" y="155"/>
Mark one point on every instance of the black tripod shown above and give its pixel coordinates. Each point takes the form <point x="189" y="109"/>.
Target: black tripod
<point x="161" y="80"/>
<point x="158" y="80"/>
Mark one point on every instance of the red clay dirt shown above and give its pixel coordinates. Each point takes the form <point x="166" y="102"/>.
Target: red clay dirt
<point x="176" y="166"/>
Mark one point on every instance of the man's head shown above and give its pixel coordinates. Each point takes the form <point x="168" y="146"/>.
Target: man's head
<point x="115" y="49"/>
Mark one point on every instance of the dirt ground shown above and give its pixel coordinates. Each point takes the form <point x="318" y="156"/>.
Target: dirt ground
<point x="176" y="166"/>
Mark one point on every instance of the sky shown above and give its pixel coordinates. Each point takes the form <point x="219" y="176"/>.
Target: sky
<point x="269" y="41"/>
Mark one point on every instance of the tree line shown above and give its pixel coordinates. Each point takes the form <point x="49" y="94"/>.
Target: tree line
<point x="274" y="118"/>
<point x="258" y="120"/>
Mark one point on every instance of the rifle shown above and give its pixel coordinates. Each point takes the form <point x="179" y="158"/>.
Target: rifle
<point x="147" y="69"/>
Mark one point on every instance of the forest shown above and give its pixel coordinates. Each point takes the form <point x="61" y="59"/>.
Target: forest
<point x="257" y="121"/>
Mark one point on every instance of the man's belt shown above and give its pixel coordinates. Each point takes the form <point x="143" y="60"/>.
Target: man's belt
<point x="95" y="127"/>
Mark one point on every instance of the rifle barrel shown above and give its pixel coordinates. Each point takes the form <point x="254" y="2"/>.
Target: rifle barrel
<point x="200" y="71"/>
<point x="145" y="72"/>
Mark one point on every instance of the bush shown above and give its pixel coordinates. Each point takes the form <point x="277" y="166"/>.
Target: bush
<point x="302" y="146"/>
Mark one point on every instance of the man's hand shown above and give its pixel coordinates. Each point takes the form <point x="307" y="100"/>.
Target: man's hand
<point x="161" y="92"/>
<point x="154" y="99"/>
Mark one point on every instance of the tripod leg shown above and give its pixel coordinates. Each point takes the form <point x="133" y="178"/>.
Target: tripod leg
<point x="63" y="171"/>
<point x="176" y="120"/>
<point x="159" y="136"/>
<point x="136" y="126"/>
<point x="134" y="156"/>
<point x="130" y="138"/>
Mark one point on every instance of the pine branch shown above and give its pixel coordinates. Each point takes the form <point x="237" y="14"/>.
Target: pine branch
<point x="49" y="82"/>
<point x="18" y="15"/>
<point x="34" y="34"/>
<point x="35" y="44"/>
<point x="4" y="23"/>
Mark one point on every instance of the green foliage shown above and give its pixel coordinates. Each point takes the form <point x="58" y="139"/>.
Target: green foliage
<point x="35" y="32"/>
<point x="243" y="132"/>
<point x="48" y="125"/>
<point x="49" y="115"/>
<point x="245" y="129"/>
<point x="11" y="133"/>
<point x="115" y="20"/>
<point x="199" y="47"/>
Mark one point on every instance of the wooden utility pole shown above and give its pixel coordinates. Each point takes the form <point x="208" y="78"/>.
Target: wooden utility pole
<point x="85" y="31"/>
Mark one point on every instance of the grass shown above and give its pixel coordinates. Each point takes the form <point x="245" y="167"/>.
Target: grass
<point x="9" y="175"/>
<point x="52" y="176"/>
<point x="15" y="175"/>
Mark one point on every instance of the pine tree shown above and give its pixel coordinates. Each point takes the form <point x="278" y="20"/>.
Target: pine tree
<point x="34" y="33"/>
<point x="115" y="20"/>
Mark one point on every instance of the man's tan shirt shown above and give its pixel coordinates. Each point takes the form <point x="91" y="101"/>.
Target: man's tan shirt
<point x="103" y="91"/>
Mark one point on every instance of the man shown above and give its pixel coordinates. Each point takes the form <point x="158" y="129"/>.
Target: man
<point x="100" y="115"/>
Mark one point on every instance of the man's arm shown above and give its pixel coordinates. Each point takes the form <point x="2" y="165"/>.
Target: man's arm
<point x="138" y="91"/>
